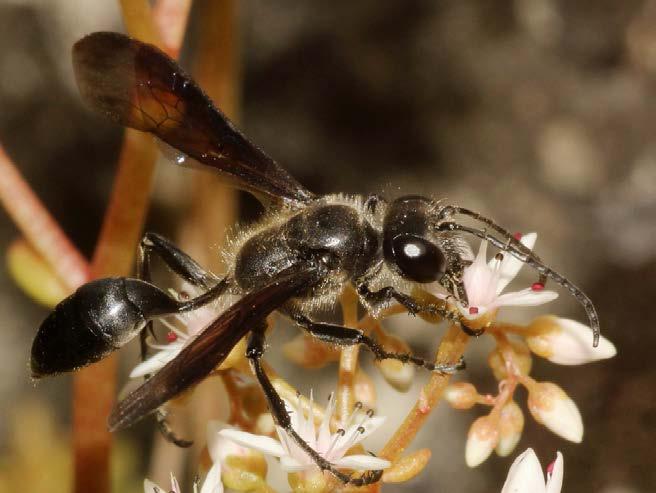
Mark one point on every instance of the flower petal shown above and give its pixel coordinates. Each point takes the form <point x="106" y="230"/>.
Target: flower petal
<point x="324" y="437"/>
<point x="480" y="281"/>
<point x="353" y="436"/>
<point x="289" y="464"/>
<point x="525" y="475"/>
<point x="175" y="487"/>
<point x="363" y="462"/>
<point x="155" y="363"/>
<point x="510" y="266"/>
<point x="150" y="487"/>
<point x="555" y="479"/>
<point x="212" y="483"/>
<point x="525" y="297"/>
<point x="266" y="445"/>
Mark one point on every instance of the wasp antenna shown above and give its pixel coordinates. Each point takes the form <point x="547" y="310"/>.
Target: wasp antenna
<point x="529" y="258"/>
<point x="451" y="210"/>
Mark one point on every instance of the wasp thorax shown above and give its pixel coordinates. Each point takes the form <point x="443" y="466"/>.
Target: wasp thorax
<point x="407" y="244"/>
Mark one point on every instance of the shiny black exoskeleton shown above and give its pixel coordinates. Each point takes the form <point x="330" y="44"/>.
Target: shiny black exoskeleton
<point x="97" y="319"/>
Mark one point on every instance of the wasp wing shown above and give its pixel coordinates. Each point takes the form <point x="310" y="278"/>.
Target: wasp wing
<point x="139" y="86"/>
<point x="211" y="346"/>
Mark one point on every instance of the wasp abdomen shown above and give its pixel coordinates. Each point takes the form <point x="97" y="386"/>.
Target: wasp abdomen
<point x="98" y="318"/>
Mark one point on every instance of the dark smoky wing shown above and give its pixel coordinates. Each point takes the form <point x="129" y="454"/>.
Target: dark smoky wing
<point x="139" y="86"/>
<point x="211" y="346"/>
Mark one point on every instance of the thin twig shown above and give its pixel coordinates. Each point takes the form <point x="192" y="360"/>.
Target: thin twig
<point x="39" y="227"/>
<point x="348" y="360"/>
<point x="450" y="350"/>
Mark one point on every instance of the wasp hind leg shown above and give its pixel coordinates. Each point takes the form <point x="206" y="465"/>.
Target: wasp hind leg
<point x="189" y="270"/>
<point x="279" y="412"/>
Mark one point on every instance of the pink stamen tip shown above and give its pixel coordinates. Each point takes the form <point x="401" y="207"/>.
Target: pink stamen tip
<point x="171" y="336"/>
<point x="473" y="310"/>
<point x="550" y="467"/>
<point x="518" y="236"/>
<point x="537" y="286"/>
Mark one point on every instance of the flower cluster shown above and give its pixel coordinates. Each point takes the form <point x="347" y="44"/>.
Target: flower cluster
<point x="238" y="455"/>
<point x="559" y="340"/>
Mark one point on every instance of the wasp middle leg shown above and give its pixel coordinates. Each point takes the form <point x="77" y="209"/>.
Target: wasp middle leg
<point x="254" y="354"/>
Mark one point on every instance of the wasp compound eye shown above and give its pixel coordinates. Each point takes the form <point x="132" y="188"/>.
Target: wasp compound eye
<point x="98" y="318"/>
<point x="418" y="259"/>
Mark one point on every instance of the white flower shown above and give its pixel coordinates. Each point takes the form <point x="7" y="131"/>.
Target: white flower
<point x="212" y="483"/>
<point x="566" y="342"/>
<point x="552" y="407"/>
<point x="331" y="446"/>
<point x="484" y="281"/>
<point x="193" y="323"/>
<point x="525" y="475"/>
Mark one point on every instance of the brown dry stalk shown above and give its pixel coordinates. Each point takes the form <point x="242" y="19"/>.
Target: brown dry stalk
<point x="213" y="206"/>
<point x="39" y="227"/>
<point x="94" y="388"/>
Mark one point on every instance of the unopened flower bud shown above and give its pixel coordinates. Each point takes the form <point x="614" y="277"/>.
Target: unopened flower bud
<point x="364" y="389"/>
<point x="308" y="352"/>
<point x="264" y="424"/>
<point x="406" y="468"/>
<point x="461" y="395"/>
<point x="236" y="355"/>
<point x="482" y="439"/>
<point x="308" y="482"/>
<point x="511" y="424"/>
<point x="397" y="374"/>
<point x="550" y="406"/>
<point x="521" y="358"/>
<point x="566" y="342"/>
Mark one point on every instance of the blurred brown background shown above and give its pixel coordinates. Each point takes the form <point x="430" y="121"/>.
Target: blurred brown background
<point x="539" y="113"/>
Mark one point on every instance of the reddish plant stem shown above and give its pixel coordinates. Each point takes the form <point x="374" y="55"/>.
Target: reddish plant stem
<point x="39" y="227"/>
<point x="213" y="208"/>
<point x="94" y="388"/>
<point x="451" y="348"/>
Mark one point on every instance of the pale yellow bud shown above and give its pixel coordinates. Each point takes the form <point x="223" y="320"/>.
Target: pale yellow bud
<point x="34" y="275"/>
<point x="398" y="375"/>
<point x="511" y="424"/>
<point x="308" y="352"/>
<point x="482" y="439"/>
<point x="407" y="467"/>
<point x="235" y="356"/>
<point x="264" y="424"/>
<point x="552" y="407"/>
<point x="461" y="395"/>
<point x="308" y="482"/>
<point x="243" y="468"/>
<point x="521" y="358"/>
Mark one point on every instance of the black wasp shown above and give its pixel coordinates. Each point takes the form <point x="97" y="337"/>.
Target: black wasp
<point x="297" y="259"/>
